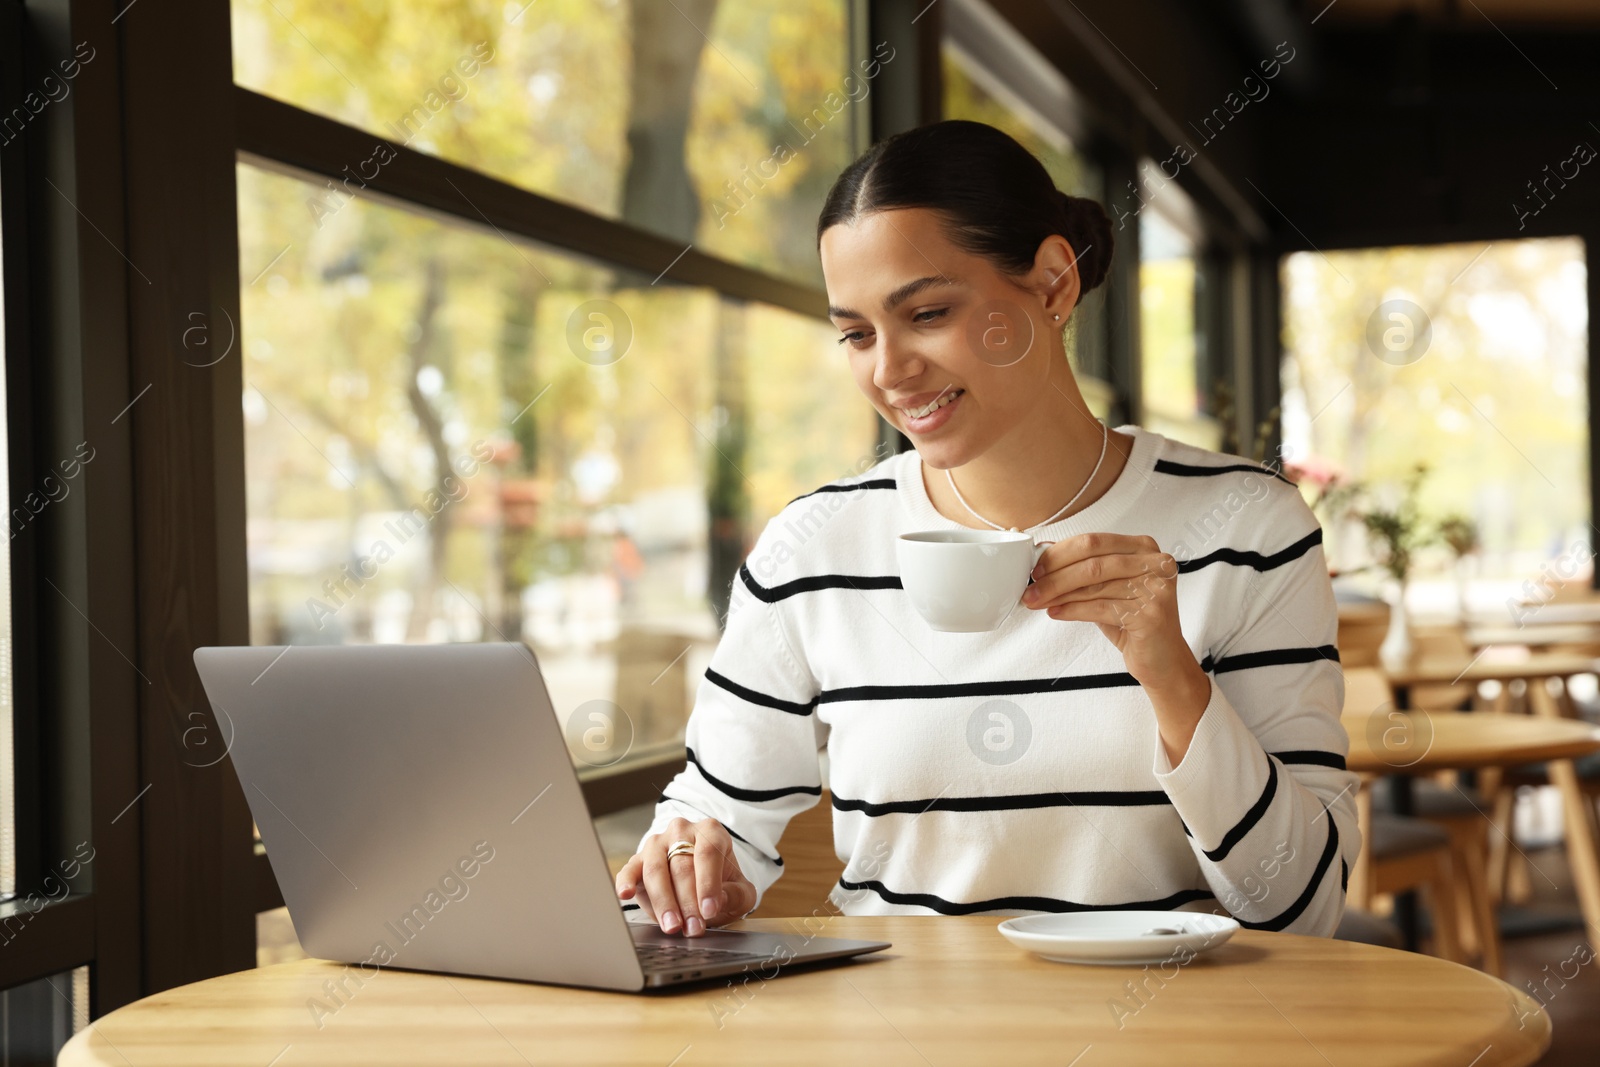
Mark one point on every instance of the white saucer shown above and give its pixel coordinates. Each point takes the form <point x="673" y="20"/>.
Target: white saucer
<point x="1112" y="937"/>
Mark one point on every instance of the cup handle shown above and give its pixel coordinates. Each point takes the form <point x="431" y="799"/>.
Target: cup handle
<point x="1038" y="550"/>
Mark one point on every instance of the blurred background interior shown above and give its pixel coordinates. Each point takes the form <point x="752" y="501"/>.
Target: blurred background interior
<point x="364" y="321"/>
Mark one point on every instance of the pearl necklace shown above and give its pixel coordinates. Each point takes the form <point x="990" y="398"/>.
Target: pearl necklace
<point x="1105" y="438"/>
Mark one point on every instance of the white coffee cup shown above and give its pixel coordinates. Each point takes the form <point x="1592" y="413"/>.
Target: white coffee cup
<point x="965" y="581"/>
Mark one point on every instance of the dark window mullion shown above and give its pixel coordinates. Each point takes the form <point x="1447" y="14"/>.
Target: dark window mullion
<point x="287" y="139"/>
<point x="27" y="785"/>
<point x="45" y="937"/>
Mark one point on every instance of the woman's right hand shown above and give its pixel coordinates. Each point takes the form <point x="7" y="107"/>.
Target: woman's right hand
<point x="691" y="891"/>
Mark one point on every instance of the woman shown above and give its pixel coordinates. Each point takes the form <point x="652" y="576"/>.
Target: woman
<point x="1160" y="729"/>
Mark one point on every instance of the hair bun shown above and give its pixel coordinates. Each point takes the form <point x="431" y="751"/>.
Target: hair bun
<point x="993" y="197"/>
<point x="1087" y="228"/>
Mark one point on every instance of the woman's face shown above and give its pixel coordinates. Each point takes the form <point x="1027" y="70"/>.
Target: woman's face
<point x="923" y="320"/>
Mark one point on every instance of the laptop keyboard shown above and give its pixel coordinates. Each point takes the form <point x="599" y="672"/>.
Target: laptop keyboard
<point x="656" y="957"/>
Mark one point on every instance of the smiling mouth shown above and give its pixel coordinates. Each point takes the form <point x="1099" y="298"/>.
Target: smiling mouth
<point x="933" y="405"/>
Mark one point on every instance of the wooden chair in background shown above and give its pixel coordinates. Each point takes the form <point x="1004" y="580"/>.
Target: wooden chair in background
<point x="1575" y="590"/>
<point x="1366" y="690"/>
<point x="1362" y="626"/>
<point x="1508" y="867"/>
<point x="1444" y="642"/>
<point x="1443" y="849"/>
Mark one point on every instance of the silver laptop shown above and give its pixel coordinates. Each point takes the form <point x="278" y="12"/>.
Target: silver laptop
<point x="420" y="810"/>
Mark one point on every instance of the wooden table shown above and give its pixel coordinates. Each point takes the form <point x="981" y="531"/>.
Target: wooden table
<point x="1427" y="741"/>
<point x="1534" y="635"/>
<point x="1507" y="665"/>
<point x="1579" y="611"/>
<point x="1436" y="741"/>
<point x="950" y="991"/>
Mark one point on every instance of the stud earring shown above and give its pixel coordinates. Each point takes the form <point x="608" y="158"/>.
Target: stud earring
<point x="1056" y="317"/>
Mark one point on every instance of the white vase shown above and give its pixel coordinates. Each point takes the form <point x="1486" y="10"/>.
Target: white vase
<point x="1461" y="588"/>
<point x="1396" y="648"/>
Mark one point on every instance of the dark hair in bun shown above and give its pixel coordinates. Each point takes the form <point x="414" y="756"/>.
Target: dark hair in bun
<point x="999" y="200"/>
<point x="1087" y="228"/>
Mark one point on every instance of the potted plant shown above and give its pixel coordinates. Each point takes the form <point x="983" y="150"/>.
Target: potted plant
<point x="1396" y="531"/>
<point x="1460" y="533"/>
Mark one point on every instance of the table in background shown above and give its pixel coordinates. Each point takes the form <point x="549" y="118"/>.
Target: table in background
<point x="1433" y="741"/>
<point x="1504" y="668"/>
<point x="1534" y="635"/>
<point x="950" y="991"/>
<point x="1583" y="852"/>
<point x="1558" y="611"/>
<point x="1463" y="740"/>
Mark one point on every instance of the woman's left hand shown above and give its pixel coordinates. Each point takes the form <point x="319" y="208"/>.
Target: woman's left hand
<point x="1128" y="587"/>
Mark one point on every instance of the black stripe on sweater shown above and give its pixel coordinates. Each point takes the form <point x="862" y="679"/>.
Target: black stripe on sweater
<point x="813" y="582"/>
<point x="862" y="582"/>
<point x="1293" y="911"/>
<point x="951" y="907"/>
<point x="752" y="696"/>
<point x="1270" y="657"/>
<point x="1313" y="758"/>
<point x="1257" y="560"/>
<point x="870" y="483"/>
<point x="1251" y="817"/>
<point x="976" y="689"/>
<point x="1190" y="470"/>
<point x="750" y="794"/>
<point x="1008" y="802"/>
<point x="776" y="860"/>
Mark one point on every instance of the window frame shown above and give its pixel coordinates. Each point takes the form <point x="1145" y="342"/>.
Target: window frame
<point x="75" y="757"/>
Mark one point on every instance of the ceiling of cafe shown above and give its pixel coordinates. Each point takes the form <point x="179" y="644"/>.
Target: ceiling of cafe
<point x="1489" y="15"/>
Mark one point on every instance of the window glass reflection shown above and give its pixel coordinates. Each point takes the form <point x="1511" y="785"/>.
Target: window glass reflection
<point x="667" y="115"/>
<point x="1167" y="329"/>
<point x="451" y="437"/>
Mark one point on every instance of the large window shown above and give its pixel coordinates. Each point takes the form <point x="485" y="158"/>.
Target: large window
<point x="451" y="436"/>
<point x="718" y="123"/>
<point x="1470" y="358"/>
<point x="1169" y="294"/>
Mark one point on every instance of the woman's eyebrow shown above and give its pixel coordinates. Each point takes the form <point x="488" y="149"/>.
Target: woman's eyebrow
<point x="898" y="297"/>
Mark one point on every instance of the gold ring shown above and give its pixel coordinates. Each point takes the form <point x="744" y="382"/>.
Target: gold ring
<point x="679" y="848"/>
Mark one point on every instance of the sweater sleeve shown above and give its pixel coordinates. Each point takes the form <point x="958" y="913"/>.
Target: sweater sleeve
<point x="752" y="738"/>
<point x="1262" y="791"/>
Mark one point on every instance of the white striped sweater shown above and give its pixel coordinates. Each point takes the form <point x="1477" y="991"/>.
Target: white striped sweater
<point x="1020" y="770"/>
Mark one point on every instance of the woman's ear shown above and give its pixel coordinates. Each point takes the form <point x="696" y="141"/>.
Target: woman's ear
<point x="1056" y="268"/>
